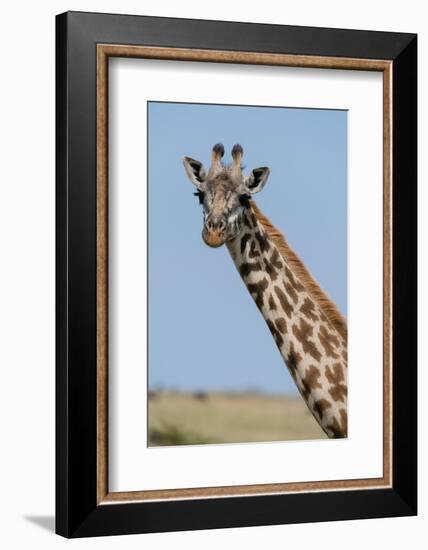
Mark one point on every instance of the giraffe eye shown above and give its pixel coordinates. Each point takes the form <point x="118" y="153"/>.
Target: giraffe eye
<point x="200" y="196"/>
<point x="244" y="200"/>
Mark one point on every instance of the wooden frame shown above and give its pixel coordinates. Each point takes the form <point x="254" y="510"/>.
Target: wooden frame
<point x="85" y="42"/>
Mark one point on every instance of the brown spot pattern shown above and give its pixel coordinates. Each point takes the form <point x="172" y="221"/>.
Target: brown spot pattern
<point x="339" y="430"/>
<point x="253" y="252"/>
<point x="272" y="304"/>
<point x="303" y="330"/>
<point x="244" y="241"/>
<point x="303" y="333"/>
<point x="312" y="377"/>
<point x="275" y="333"/>
<point x="291" y="292"/>
<point x="329" y="342"/>
<point x="262" y="240"/>
<point x="247" y="267"/>
<point x="305" y="389"/>
<point x="270" y="270"/>
<point x="285" y="304"/>
<point x="293" y="281"/>
<point x="308" y="309"/>
<point x="276" y="259"/>
<point x="320" y="406"/>
<point x="281" y="323"/>
<point x="293" y="359"/>
<point x="257" y="289"/>
<point x="249" y="220"/>
<point x="323" y="317"/>
<point x="335" y="376"/>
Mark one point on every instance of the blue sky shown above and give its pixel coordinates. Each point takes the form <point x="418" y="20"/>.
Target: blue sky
<point x="205" y="332"/>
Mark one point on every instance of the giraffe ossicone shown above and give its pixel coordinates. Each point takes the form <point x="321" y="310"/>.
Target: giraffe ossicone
<point x="307" y="327"/>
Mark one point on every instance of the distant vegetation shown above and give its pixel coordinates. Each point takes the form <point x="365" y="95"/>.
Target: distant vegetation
<point x="180" y="418"/>
<point x="171" y="435"/>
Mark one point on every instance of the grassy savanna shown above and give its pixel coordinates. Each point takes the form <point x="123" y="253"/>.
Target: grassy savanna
<point x="179" y="418"/>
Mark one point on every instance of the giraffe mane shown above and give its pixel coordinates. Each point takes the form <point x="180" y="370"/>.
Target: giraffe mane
<point x="315" y="291"/>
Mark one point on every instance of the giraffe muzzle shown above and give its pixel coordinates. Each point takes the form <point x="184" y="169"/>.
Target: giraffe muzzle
<point x="214" y="232"/>
<point x="213" y="238"/>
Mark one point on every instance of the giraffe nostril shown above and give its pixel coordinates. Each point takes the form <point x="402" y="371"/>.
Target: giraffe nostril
<point x="215" y="225"/>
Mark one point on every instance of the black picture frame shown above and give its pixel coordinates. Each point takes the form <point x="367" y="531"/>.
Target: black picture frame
<point x="78" y="513"/>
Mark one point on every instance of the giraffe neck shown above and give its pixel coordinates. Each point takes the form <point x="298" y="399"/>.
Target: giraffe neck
<point x="313" y="350"/>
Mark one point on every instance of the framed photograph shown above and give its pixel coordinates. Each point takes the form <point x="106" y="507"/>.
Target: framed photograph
<point x="236" y="274"/>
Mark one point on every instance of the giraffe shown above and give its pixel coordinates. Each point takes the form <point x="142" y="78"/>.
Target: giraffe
<point x="308" y="329"/>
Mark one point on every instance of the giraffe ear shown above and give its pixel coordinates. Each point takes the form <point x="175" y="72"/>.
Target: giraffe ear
<point x="195" y="171"/>
<point x="257" y="179"/>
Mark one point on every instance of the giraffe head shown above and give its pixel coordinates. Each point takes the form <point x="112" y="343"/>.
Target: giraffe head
<point x="224" y="192"/>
